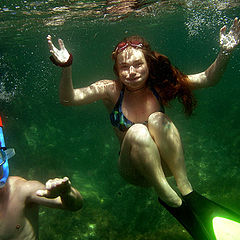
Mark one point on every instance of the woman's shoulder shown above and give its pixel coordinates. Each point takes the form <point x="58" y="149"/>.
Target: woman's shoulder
<point x="112" y="86"/>
<point x="108" y="82"/>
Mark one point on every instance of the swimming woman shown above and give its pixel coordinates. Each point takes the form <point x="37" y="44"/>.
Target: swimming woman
<point x="150" y="144"/>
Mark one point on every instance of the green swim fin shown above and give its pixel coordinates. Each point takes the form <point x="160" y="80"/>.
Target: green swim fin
<point x="188" y="219"/>
<point x="220" y="222"/>
<point x="205" y="219"/>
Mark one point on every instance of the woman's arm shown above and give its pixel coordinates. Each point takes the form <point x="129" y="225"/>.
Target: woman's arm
<point x="68" y="95"/>
<point x="212" y="75"/>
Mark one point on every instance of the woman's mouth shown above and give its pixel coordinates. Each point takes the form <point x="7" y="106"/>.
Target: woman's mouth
<point x="133" y="79"/>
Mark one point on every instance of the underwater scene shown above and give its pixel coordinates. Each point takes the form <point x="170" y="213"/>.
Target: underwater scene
<point x="52" y="140"/>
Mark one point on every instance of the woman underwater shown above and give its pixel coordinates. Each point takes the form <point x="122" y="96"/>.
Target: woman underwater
<point x="151" y="148"/>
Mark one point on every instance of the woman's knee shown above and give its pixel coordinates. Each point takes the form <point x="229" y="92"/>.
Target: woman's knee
<point x="161" y="123"/>
<point x="163" y="130"/>
<point x="138" y="133"/>
<point x="159" y="118"/>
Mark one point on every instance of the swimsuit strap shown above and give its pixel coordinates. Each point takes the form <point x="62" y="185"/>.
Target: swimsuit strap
<point x="155" y="93"/>
<point x="120" y="100"/>
<point x="117" y="117"/>
<point x="118" y="104"/>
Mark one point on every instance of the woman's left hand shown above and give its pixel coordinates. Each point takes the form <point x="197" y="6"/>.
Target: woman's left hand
<point x="228" y="41"/>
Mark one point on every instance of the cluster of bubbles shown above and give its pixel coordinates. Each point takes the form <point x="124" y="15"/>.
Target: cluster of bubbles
<point x="7" y="92"/>
<point x="207" y="14"/>
<point x="4" y="94"/>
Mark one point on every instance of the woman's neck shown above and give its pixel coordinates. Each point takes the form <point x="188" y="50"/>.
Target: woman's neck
<point x="136" y="90"/>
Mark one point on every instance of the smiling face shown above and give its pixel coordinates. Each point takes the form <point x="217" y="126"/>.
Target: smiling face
<point x="132" y="68"/>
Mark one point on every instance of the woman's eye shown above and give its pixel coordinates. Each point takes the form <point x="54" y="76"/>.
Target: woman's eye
<point x="138" y="65"/>
<point x="124" y="67"/>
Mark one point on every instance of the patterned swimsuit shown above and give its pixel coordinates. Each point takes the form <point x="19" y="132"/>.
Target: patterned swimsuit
<point x="117" y="117"/>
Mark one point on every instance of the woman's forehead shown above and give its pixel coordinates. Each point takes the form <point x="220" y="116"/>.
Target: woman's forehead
<point x="130" y="54"/>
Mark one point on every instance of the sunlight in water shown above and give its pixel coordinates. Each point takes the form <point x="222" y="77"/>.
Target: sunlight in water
<point x="226" y="229"/>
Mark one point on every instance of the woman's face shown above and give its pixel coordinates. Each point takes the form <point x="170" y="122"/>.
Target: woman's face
<point x="132" y="68"/>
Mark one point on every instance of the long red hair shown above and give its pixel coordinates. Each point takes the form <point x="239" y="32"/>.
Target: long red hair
<point x="170" y="82"/>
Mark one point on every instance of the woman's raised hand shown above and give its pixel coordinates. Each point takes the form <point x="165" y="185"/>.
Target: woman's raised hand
<point x="60" y="56"/>
<point x="228" y="41"/>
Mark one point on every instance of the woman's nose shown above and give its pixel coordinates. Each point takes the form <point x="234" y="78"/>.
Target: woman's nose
<point x="132" y="70"/>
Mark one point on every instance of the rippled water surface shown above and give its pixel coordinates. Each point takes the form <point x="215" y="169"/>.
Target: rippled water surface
<point x="52" y="140"/>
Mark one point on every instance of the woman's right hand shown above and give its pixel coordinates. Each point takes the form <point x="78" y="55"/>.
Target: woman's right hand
<point x="60" y="56"/>
<point x="230" y="40"/>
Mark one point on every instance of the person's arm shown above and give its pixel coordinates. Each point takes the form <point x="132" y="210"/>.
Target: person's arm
<point x="67" y="94"/>
<point x="212" y="74"/>
<point x="57" y="193"/>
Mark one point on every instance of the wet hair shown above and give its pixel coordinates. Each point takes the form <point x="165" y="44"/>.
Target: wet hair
<point x="170" y="82"/>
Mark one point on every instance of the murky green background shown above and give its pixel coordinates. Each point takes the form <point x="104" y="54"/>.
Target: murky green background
<point x="52" y="140"/>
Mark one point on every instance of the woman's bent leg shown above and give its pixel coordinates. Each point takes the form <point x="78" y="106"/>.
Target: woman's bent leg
<point x="140" y="164"/>
<point x="168" y="141"/>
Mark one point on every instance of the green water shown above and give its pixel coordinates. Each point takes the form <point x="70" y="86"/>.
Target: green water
<point x="52" y="140"/>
